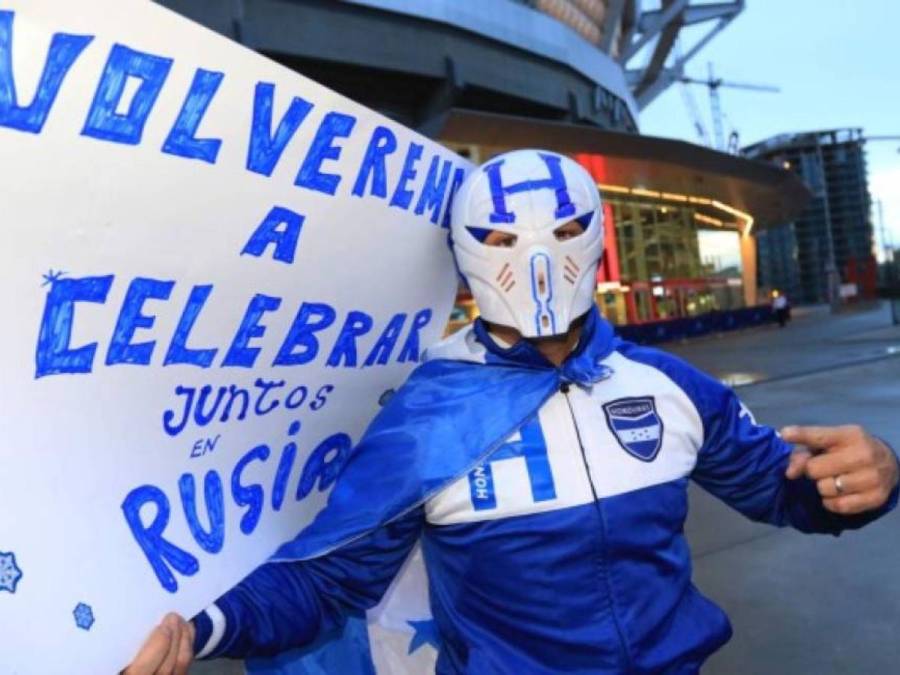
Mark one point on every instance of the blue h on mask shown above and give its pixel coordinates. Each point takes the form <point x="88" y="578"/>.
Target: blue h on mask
<point x="555" y="181"/>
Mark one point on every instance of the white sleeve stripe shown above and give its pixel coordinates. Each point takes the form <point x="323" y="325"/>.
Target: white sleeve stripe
<point x="218" y="630"/>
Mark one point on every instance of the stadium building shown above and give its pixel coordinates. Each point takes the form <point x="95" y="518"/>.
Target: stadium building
<point x="567" y="75"/>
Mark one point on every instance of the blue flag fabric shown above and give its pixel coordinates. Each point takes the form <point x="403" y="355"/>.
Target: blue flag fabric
<point x="398" y="637"/>
<point x="347" y="653"/>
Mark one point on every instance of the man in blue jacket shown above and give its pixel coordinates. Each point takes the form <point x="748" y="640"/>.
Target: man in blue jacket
<point x="543" y="464"/>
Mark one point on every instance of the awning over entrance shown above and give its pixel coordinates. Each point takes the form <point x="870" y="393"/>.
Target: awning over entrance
<point x="645" y="163"/>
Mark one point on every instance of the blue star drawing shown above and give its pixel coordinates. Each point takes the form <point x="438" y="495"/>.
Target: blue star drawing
<point x="84" y="616"/>
<point x="425" y="634"/>
<point x="51" y="277"/>
<point x="9" y="572"/>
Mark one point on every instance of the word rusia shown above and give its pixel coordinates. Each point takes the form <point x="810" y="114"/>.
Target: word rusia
<point x="266" y="141"/>
<point x="319" y="472"/>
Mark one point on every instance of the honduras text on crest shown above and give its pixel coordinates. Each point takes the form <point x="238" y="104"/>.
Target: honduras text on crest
<point x="636" y="425"/>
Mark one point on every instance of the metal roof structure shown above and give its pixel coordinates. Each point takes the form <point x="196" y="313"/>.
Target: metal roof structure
<point x="803" y="139"/>
<point x="591" y="62"/>
<point x="645" y="164"/>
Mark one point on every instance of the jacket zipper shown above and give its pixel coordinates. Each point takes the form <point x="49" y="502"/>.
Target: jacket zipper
<point x="564" y="389"/>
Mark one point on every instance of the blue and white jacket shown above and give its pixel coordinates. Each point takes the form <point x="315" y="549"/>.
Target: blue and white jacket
<point x="563" y="549"/>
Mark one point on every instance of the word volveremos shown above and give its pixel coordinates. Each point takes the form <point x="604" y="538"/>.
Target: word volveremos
<point x="319" y="170"/>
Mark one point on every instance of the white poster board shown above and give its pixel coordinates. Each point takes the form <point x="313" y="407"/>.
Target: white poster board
<point x="212" y="269"/>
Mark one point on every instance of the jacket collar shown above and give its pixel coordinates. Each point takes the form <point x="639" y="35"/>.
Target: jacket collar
<point x="583" y="366"/>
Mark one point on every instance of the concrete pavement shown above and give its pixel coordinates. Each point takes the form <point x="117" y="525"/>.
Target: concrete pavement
<point x="814" y="340"/>
<point x="800" y="603"/>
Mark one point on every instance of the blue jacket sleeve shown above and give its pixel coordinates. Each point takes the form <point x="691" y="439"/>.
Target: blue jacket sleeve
<point x="283" y="605"/>
<point x="742" y="462"/>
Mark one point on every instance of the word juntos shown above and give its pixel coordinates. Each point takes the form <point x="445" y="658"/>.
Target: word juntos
<point x="206" y="404"/>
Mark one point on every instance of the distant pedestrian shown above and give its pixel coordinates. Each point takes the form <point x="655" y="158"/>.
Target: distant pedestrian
<point x="781" y="308"/>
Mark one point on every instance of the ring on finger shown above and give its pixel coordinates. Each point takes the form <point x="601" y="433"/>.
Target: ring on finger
<point x="839" y="485"/>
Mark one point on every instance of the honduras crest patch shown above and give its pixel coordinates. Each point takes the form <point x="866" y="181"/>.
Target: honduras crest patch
<point x="636" y="425"/>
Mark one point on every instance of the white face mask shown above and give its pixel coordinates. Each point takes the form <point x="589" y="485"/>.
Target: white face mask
<point x="539" y="283"/>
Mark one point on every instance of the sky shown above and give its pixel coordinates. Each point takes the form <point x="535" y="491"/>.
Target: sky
<point x="837" y="63"/>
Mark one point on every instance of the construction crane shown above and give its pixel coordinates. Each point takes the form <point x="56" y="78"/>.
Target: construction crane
<point x="882" y="138"/>
<point x="689" y="101"/>
<point x="713" y="83"/>
<point x="691" y="104"/>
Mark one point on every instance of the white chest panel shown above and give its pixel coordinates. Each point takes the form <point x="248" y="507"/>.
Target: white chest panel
<point x="637" y="428"/>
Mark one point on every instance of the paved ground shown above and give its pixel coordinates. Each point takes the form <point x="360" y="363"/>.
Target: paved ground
<point x="799" y="604"/>
<point x="805" y="604"/>
<point x="813" y="341"/>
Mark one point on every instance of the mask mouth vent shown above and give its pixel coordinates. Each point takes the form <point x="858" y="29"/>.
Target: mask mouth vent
<point x="570" y="270"/>
<point x="505" y="278"/>
<point x="542" y="293"/>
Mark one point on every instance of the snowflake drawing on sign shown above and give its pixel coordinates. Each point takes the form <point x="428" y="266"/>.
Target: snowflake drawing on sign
<point x="52" y="277"/>
<point x="9" y="572"/>
<point x="84" y="616"/>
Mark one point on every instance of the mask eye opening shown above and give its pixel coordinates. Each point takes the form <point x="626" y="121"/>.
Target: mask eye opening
<point x="585" y="220"/>
<point x="489" y="237"/>
<point x="574" y="228"/>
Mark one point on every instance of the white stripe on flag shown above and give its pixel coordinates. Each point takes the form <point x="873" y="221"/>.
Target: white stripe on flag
<point x="639" y="434"/>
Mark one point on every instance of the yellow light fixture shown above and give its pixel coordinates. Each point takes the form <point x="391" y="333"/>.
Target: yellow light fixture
<point x="691" y="199"/>
<point x="743" y="215"/>
<point x="671" y="196"/>
<point x="709" y="220"/>
<point x="641" y="192"/>
<point x="729" y="209"/>
<point x="613" y="188"/>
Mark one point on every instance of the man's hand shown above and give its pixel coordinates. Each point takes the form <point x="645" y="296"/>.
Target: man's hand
<point x="168" y="651"/>
<point x="853" y="471"/>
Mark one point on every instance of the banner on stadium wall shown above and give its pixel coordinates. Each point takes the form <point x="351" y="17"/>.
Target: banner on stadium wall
<point x="213" y="270"/>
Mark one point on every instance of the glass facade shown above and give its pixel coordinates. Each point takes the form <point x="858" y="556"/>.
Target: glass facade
<point x="656" y="241"/>
<point x="670" y="267"/>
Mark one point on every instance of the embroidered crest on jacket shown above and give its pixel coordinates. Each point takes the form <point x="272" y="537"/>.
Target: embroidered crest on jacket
<point x="636" y="425"/>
